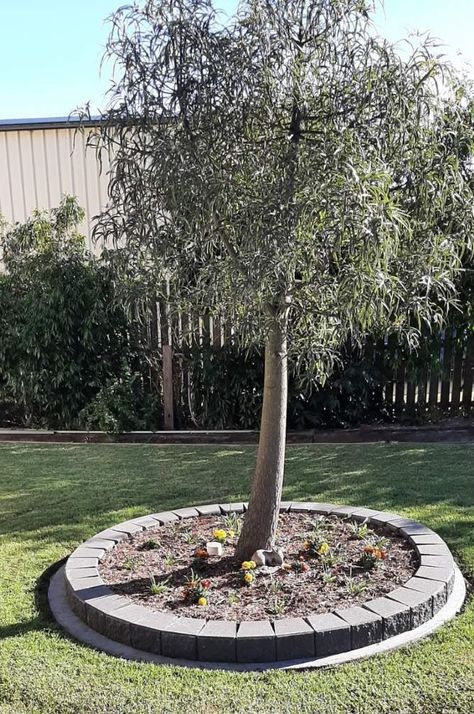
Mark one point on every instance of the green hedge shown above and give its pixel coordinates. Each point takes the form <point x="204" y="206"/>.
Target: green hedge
<point x="72" y="356"/>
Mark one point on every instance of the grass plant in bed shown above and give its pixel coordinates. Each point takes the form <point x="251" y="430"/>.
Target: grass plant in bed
<point x="329" y="562"/>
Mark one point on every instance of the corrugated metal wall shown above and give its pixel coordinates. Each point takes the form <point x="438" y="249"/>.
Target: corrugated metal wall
<point x="39" y="165"/>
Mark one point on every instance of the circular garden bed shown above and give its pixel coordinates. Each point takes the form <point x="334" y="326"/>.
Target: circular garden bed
<point x="350" y="577"/>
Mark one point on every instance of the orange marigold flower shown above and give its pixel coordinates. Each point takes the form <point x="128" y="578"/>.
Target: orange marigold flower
<point x="201" y="553"/>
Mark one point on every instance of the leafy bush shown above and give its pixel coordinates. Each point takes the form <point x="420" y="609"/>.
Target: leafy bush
<point x="64" y="336"/>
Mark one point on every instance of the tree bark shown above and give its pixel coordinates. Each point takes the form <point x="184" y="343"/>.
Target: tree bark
<point x="261" y="519"/>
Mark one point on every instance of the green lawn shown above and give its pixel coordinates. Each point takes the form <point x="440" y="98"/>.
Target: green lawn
<point x="53" y="497"/>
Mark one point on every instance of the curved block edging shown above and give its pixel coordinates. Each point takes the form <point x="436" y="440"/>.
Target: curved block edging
<point x="319" y="635"/>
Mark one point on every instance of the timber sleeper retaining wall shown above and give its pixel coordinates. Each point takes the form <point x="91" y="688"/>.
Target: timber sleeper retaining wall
<point x="299" y="638"/>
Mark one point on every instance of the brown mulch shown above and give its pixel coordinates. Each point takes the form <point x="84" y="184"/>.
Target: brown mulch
<point x="128" y="567"/>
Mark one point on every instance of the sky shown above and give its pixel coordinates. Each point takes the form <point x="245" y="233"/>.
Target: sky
<point x="50" y="50"/>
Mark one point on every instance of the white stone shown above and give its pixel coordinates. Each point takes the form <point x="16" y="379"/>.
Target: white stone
<point x="214" y="548"/>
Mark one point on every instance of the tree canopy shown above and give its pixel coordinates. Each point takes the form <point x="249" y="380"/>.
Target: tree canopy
<point x="288" y="169"/>
<point x="288" y="155"/>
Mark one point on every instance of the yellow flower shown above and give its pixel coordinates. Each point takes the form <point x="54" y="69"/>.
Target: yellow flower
<point x="220" y="535"/>
<point x="252" y="564"/>
<point x="246" y="565"/>
<point x="202" y="601"/>
<point x="248" y="577"/>
<point x="323" y="549"/>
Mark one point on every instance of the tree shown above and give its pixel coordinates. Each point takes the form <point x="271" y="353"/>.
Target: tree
<point x="288" y="168"/>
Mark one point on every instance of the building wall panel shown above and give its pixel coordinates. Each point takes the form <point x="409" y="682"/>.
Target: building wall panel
<point x="39" y="165"/>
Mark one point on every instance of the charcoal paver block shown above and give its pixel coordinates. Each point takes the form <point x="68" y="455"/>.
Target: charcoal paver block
<point x="77" y="562"/>
<point x="146" y="522"/>
<point x="420" y="604"/>
<point x="76" y="581"/>
<point x="444" y="575"/>
<point x="165" y="517"/>
<point x="426" y="538"/>
<point x="210" y="509"/>
<point x="432" y="549"/>
<point x="216" y="641"/>
<point x="231" y="507"/>
<point x="366" y="626"/>
<point x="87" y="552"/>
<point x="146" y="628"/>
<point x="415" y="529"/>
<point x="437" y="561"/>
<point x="294" y="638"/>
<point x="345" y="511"/>
<point x="128" y="527"/>
<point x="256" y="642"/>
<point x="285" y="506"/>
<point x="120" y="622"/>
<point x="111" y="534"/>
<point x="73" y="574"/>
<point x="186" y="512"/>
<point x="97" y="608"/>
<point x="436" y="589"/>
<point x="360" y="514"/>
<point x="383" y="517"/>
<point x="396" y="617"/>
<point x="82" y="589"/>
<point x="180" y="639"/>
<point x="397" y="523"/>
<point x="100" y="543"/>
<point x="309" y="507"/>
<point x="332" y="634"/>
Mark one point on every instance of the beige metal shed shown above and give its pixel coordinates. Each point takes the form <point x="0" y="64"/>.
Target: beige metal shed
<point x="43" y="159"/>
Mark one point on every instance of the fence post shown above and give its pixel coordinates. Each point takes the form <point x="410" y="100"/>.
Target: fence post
<point x="168" y="405"/>
<point x="167" y="355"/>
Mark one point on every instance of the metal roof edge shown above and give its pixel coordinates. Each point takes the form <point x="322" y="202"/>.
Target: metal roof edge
<point x="47" y="123"/>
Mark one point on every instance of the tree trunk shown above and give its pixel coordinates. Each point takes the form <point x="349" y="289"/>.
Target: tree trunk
<point x="261" y="519"/>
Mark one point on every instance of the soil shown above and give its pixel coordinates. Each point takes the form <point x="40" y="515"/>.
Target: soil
<point x="309" y="584"/>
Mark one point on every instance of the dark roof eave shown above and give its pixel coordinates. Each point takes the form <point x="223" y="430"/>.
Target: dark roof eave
<point x="47" y="123"/>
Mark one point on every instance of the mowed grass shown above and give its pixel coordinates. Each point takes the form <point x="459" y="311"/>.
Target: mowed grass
<point x="53" y="497"/>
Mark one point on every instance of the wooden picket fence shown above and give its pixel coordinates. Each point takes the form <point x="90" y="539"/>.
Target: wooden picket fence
<point x="447" y="386"/>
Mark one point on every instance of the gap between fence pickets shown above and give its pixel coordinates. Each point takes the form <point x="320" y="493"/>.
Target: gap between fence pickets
<point x="450" y="388"/>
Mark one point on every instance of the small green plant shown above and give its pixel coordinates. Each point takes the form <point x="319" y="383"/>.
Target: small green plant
<point x="129" y="563"/>
<point x="158" y="588"/>
<point x="189" y="537"/>
<point x="275" y="587"/>
<point x="169" y="560"/>
<point x="318" y="527"/>
<point x="378" y="542"/>
<point x="196" y="589"/>
<point x="150" y="545"/>
<point x="372" y="557"/>
<point x="360" y="531"/>
<point x="332" y="557"/>
<point x="232" y="523"/>
<point x="277" y="606"/>
<point x="328" y="577"/>
<point x="355" y="586"/>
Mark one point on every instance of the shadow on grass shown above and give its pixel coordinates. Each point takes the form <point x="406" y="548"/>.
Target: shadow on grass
<point x="44" y="619"/>
<point x="63" y="494"/>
